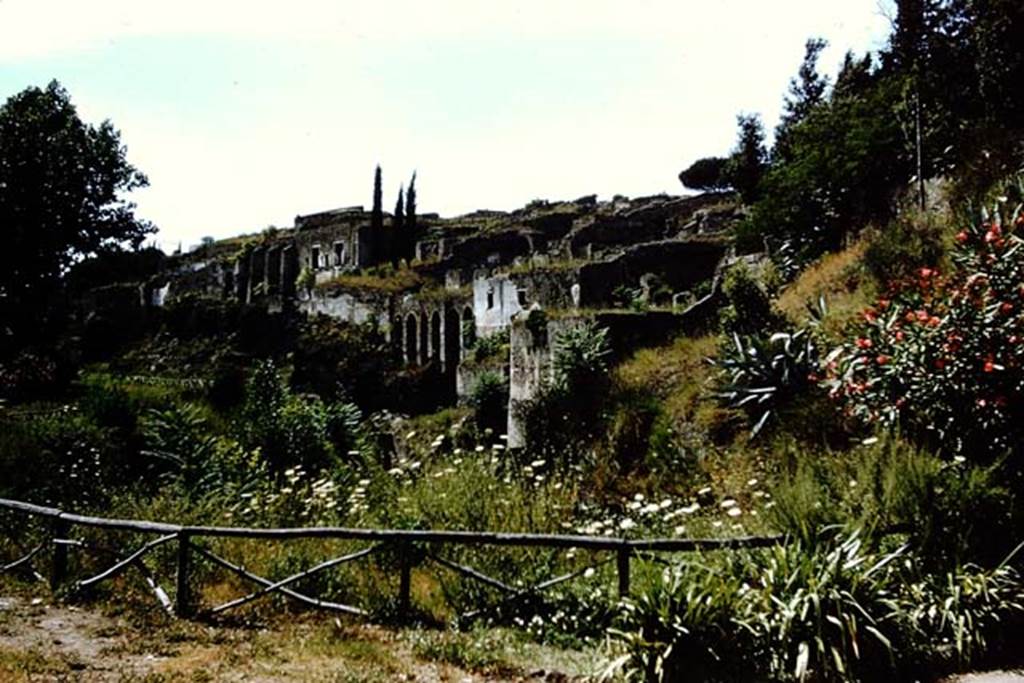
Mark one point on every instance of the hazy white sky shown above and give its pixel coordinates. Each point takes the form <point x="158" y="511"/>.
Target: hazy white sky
<point x="244" y="114"/>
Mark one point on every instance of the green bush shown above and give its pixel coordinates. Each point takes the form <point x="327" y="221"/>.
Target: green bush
<point x="491" y="347"/>
<point x="788" y="613"/>
<point x="749" y="310"/>
<point x="565" y="417"/>
<point x="962" y="616"/>
<point x="837" y="609"/>
<point x="581" y="357"/>
<point x="951" y="513"/>
<point x="631" y="432"/>
<point x="489" y="401"/>
<point x="190" y="456"/>
<point x="683" y="626"/>
<point x="907" y="244"/>
<point x="294" y="430"/>
<point x="62" y="458"/>
<point x="33" y="375"/>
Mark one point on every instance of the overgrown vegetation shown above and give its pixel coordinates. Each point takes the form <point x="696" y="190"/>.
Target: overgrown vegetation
<point x="861" y="403"/>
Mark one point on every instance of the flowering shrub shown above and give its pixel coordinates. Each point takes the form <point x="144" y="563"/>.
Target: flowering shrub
<point x="942" y="354"/>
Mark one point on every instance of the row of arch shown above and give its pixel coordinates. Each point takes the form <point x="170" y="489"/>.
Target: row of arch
<point x="262" y="271"/>
<point x="442" y="336"/>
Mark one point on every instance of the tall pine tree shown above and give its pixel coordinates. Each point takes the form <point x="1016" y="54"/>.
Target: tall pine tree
<point x="806" y="91"/>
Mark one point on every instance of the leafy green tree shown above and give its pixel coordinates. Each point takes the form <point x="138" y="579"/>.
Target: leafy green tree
<point x="960" y="63"/>
<point x="842" y="166"/>
<point x="62" y="185"/>
<point x="707" y="174"/>
<point x="749" y="160"/>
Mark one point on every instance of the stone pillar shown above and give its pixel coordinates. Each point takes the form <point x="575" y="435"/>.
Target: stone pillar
<point x="257" y="274"/>
<point x="242" y="279"/>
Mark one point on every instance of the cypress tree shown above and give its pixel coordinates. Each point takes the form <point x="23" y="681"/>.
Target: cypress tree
<point x="410" y="205"/>
<point x="400" y="211"/>
<point x="409" y="238"/>
<point x="377" y="216"/>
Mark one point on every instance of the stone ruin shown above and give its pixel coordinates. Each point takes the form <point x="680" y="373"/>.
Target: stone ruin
<point x="475" y="275"/>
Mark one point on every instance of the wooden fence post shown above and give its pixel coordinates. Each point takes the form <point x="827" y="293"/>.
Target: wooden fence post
<point x="59" y="570"/>
<point x="405" y="582"/>
<point x="622" y="561"/>
<point x="182" y="593"/>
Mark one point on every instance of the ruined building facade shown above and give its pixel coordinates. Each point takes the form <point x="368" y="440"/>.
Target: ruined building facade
<point x="474" y="275"/>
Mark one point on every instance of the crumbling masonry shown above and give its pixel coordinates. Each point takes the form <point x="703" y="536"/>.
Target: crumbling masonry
<point x="475" y="275"/>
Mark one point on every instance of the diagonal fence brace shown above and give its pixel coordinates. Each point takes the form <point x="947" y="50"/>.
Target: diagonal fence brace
<point x="126" y="562"/>
<point x="23" y="560"/>
<point x="474" y="574"/>
<point x="270" y="586"/>
<point x="536" y="588"/>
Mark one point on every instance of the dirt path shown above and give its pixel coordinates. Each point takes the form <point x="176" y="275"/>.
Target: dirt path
<point x="47" y="642"/>
<point x="43" y="642"/>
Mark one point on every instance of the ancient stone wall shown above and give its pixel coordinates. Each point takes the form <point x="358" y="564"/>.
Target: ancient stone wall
<point x="679" y="265"/>
<point x="530" y="355"/>
<point x="496" y="300"/>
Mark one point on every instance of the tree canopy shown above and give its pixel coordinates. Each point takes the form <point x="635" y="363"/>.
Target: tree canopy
<point x="943" y="98"/>
<point x="62" y="185"/>
<point x="708" y="174"/>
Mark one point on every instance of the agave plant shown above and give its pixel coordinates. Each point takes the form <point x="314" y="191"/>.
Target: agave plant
<point x="761" y="373"/>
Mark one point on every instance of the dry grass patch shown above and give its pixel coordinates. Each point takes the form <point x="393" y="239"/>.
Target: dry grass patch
<point x="679" y="376"/>
<point x="841" y="278"/>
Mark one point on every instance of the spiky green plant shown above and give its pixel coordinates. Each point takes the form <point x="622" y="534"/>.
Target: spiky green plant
<point x="761" y="373"/>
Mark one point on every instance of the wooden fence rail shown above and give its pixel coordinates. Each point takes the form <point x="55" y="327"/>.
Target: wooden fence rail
<point x="61" y="522"/>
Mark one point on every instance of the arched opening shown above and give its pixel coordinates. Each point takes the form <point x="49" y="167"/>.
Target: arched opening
<point x="411" y="356"/>
<point x="467" y="330"/>
<point x="424" y="344"/>
<point x="435" y="336"/>
<point x="451" y="338"/>
<point x="229" y="283"/>
<point x="273" y="270"/>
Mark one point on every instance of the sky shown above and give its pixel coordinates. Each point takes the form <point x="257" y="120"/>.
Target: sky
<point x="246" y="114"/>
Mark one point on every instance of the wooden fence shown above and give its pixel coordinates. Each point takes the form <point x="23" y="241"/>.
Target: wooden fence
<point x="622" y="550"/>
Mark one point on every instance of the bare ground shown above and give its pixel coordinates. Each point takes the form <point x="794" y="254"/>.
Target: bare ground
<point x="40" y="641"/>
